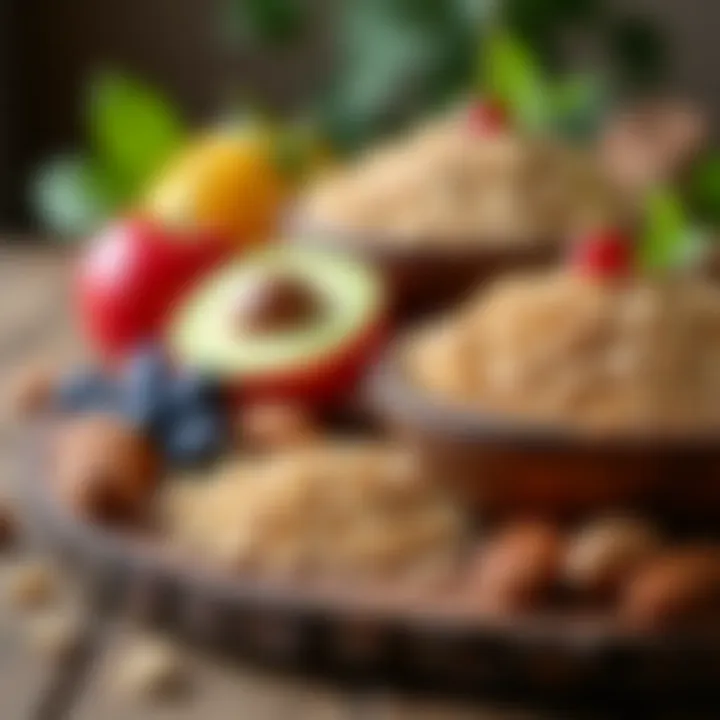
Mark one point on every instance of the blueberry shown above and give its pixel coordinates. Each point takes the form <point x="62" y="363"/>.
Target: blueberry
<point x="86" y="390"/>
<point x="195" y="438"/>
<point x="148" y="367"/>
<point x="192" y="390"/>
<point x="142" y="407"/>
<point x="146" y="381"/>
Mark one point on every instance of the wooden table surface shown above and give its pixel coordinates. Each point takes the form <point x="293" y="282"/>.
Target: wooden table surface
<point x="35" y="322"/>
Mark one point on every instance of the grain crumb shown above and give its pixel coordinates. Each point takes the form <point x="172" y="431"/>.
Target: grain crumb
<point x="150" y="668"/>
<point x="55" y="635"/>
<point x="31" y="585"/>
<point x="31" y="390"/>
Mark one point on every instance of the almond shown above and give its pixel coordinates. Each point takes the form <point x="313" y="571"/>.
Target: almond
<point x="519" y="568"/>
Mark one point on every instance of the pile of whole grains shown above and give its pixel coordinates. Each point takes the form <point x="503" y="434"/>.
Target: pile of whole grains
<point x="344" y="508"/>
<point x="634" y="354"/>
<point x="442" y="185"/>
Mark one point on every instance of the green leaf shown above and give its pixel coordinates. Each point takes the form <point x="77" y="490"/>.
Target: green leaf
<point x="479" y="13"/>
<point x="399" y="59"/>
<point x="71" y="197"/>
<point x="535" y="21"/>
<point x="639" y="52"/>
<point x="699" y="241"/>
<point x="265" y="22"/>
<point x="542" y="23"/>
<point x="416" y="11"/>
<point x="296" y="148"/>
<point x="134" y="130"/>
<point x="580" y="103"/>
<point x="513" y="76"/>
<point x="575" y="10"/>
<point x="666" y="232"/>
<point x="704" y="188"/>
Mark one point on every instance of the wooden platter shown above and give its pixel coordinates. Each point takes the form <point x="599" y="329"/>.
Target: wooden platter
<point x="346" y="633"/>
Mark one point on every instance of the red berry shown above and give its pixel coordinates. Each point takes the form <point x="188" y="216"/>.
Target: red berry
<point x="604" y="254"/>
<point x="487" y="118"/>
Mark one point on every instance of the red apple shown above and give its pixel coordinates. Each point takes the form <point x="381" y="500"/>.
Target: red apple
<point x="130" y="276"/>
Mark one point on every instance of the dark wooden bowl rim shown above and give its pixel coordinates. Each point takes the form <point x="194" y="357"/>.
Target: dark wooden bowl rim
<point x="303" y="230"/>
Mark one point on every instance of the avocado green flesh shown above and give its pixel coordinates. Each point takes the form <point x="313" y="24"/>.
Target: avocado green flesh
<point x="203" y="334"/>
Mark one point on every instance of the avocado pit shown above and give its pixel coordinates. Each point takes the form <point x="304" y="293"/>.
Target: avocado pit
<point x="276" y="302"/>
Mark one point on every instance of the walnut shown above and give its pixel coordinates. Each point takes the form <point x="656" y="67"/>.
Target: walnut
<point x="675" y="590"/>
<point x="518" y="569"/>
<point x="105" y="470"/>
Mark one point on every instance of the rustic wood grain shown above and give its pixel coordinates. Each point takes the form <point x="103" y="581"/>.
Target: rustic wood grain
<point x="23" y="673"/>
<point x="34" y="288"/>
<point x="26" y="666"/>
<point x="213" y="690"/>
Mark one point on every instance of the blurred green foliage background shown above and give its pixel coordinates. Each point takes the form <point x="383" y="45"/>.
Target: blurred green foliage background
<point x="393" y="61"/>
<point x="399" y="58"/>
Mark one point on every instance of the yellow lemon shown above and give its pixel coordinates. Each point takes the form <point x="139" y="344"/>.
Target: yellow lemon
<point x="228" y="183"/>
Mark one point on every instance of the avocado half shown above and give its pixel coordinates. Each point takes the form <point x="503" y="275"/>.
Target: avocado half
<point x="318" y="360"/>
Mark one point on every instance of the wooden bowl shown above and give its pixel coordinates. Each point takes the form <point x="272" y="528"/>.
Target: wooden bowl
<point x="503" y="466"/>
<point x="428" y="276"/>
<point x="711" y="263"/>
